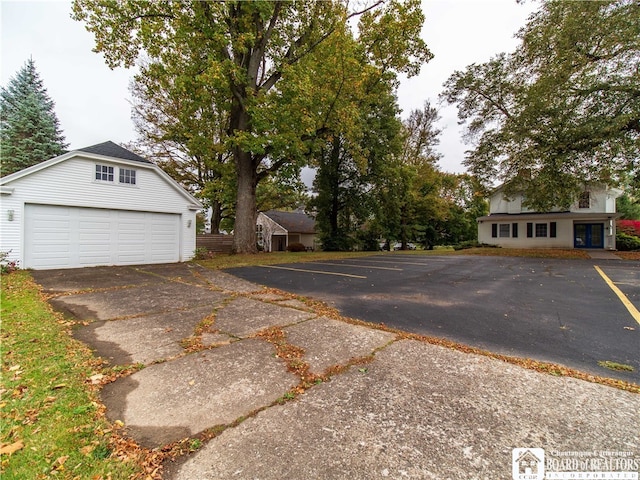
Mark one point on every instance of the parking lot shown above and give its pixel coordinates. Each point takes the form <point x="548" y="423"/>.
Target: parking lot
<point x="554" y="310"/>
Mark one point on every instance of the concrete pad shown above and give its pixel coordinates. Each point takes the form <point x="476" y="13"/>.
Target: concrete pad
<point x="421" y="411"/>
<point x="75" y="279"/>
<point x="216" y="339"/>
<point x="228" y="282"/>
<point x="166" y="402"/>
<point x="328" y="342"/>
<point x="185" y="272"/>
<point x="294" y="303"/>
<point x="270" y="297"/>
<point x="146" y="299"/>
<point x="142" y="339"/>
<point x="244" y="317"/>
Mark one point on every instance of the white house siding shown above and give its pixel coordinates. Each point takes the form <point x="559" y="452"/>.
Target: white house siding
<point x="563" y="239"/>
<point x="72" y="182"/>
<point x="269" y="230"/>
<point x="308" y="240"/>
<point x="601" y="201"/>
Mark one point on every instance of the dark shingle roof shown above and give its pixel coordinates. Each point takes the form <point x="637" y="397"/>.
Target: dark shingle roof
<point x="110" y="149"/>
<point x="293" y="222"/>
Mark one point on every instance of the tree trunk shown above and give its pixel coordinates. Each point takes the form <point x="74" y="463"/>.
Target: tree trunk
<point x="335" y="187"/>
<point x="403" y="228"/>
<point x="216" y="216"/>
<point x="244" y="234"/>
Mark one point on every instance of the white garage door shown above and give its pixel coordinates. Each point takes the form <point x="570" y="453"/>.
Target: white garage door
<point x="68" y="237"/>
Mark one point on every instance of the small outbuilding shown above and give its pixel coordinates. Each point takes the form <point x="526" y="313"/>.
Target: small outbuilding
<point x="100" y="205"/>
<point x="277" y="230"/>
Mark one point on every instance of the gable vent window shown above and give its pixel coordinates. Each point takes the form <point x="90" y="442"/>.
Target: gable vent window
<point x="127" y="176"/>
<point x="585" y="200"/>
<point x="104" y="173"/>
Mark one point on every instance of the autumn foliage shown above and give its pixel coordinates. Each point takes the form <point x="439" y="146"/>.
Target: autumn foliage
<point x="630" y="227"/>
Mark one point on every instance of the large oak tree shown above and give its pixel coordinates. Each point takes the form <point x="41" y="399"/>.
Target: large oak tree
<point x="256" y="55"/>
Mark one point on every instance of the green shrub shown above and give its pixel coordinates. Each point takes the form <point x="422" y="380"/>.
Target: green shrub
<point x="202" y="253"/>
<point x="626" y="242"/>
<point x="472" y="244"/>
<point x="296" y="247"/>
<point x="7" y="266"/>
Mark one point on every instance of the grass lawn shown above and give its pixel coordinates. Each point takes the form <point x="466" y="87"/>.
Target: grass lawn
<point x="220" y="261"/>
<point x="52" y="424"/>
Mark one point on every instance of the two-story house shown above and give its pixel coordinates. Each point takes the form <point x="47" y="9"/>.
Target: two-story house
<point x="589" y="222"/>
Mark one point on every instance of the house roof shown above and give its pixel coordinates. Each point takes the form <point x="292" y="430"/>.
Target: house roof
<point x="293" y="222"/>
<point x="110" y="149"/>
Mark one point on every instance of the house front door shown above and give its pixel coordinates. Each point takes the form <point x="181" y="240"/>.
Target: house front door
<point x="588" y="235"/>
<point x="279" y="243"/>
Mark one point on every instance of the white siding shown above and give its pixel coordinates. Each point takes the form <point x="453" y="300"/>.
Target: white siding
<point x="602" y="201"/>
<point x="71" y="182"/>
<point x="563" y="239"/>
<point x="308" y="240"/>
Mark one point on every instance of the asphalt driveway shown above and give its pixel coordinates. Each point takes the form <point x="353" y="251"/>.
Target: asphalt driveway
<point x="554" y="310"/>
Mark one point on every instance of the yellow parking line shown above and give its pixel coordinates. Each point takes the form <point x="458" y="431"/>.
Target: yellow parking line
<point x="312" y="271"/>
<point x="623" y="298"/>
<point x="357" y="266"/>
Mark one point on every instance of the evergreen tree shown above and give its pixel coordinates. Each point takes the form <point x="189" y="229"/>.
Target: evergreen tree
<point x="29" y="129"/>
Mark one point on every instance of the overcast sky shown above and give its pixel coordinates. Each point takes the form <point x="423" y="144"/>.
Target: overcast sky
<point x="92" y="101"/>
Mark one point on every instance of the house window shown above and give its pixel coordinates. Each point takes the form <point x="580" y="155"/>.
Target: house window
<point x="585" y="200"/>
<point x="553" y="229"/>
<point x="104" y="173"/>
<point x="529" y="230"/>
<point x="504" y="230"/>
<point x="259" y="230"/>
<point x="494" y="230"/>
<point x="541" y="229"/>
<point x="127" y="176"/>
<point x="514" y="230"/>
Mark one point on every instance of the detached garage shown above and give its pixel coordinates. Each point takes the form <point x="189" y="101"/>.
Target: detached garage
<point x="101" y="205"/>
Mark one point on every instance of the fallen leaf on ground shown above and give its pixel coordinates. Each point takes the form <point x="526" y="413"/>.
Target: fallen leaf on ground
<point x="11" y="448"/>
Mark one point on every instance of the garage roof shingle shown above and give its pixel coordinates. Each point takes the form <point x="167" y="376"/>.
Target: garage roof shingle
<point x="110" y="149"/>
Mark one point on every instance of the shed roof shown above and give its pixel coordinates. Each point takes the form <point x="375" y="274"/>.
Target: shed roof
<point x="293" y="222"/>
